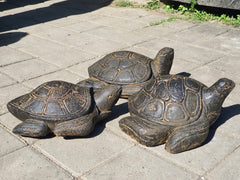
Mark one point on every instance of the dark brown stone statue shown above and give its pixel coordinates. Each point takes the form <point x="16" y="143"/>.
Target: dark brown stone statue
<point x="62" y="108"/>
<point x="175" y="110"/>
<point x="129" y="70"/>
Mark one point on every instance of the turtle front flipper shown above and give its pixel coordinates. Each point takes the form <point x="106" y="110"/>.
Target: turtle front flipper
<point x="144" y="131"/>
<point x="32" y="128"/>
<point x="187" y="137"/>
<point x="81" y="126"/>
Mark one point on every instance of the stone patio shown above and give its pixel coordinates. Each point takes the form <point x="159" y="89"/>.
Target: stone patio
<point x="58" y="40"/>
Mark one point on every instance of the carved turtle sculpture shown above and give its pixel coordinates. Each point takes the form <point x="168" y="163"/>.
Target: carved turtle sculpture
<point x="175" y="110"/>
<point x="128" y="69"/>
<point x="63" y="108"/>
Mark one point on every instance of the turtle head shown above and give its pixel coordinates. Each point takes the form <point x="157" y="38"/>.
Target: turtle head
<point x="215" y="95"/>
<point x="107" y="97"/>
<point x="162" y="63"/>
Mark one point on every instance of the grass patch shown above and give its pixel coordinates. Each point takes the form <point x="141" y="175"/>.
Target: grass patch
<point x="154" y="4"/>
<point x="184" y="11"/>
<point x="200" y="15"/>
<point x="124" y="3"/>
<point x="164" y="21"/>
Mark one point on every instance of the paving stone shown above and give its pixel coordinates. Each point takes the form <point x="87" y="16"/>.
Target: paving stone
<point x="209" y="75"/>
<point x="227" y="64"/>
<point x="27" y="164"/>
<point x="10" y="92"/>
<point x="200" y="56"/>
<point x="126" y="13"/>
<point x="80" y="155"/>
<point x="150" y="18"/>
<point x="182" y="60"/>
<point x="128" y="25"/>
<point x="165" y="30"/>
<point x="118" y="35"/>
<point x="229" y="46"/>
<point x="156" y="44"/>
<point x="138" y="164"/>
<point x="199" y="32"/>
<point x="182" y="66"/>
<point x="63" y="36"/>
<point x="105" y="21"/>
<point x="65" y="57"/>
<point x="66" y="21"/>
<point x="5" y="80"/>
<point x="82" y="26"/>
<point x="102" y="47"/>
<point x="228" y="168"/>
<point x="62" y="75"/>
<point x="10" y="55"/>
<point x="9" y="143"/>
<point x="228" y="122"/>
<point x="82" y="68"/>
<point x="141" y="50"/>
<point x="204" y="158"/>
<point x="51" y="52"/>
<point x="35" y="68"/>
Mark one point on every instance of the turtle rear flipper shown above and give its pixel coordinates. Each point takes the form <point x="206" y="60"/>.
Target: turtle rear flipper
<point x="145" y="132"/>
<point x="81" y="126"/>
<point x="32" y="128"/>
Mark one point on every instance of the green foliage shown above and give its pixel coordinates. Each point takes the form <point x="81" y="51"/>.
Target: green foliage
<point x="124" y="3"/>
<point x="192" y="13"/>
<point x="154" y="4"/>
<point x="164" y="21"/>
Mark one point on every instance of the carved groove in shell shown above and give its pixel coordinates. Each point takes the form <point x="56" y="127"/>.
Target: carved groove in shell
<point x="122" y="67"/>
<point x="174" y="100"/>
<point x="55" y="100"/>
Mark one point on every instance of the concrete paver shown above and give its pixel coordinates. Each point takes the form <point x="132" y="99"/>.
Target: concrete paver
<point x="228" y="169"/>
<point x="25" y="163"/>
<point x="62" y="75"/>
<point x="136" y="163"/>
<point x="59" y="40"/>
<point x="205" y="158"/>
<point x="82" y="154"/>
<point x="10" y="55"/>
<point x="8" y="142"/>
<point x="35" y="68"/>
<point x="6" y="80"/>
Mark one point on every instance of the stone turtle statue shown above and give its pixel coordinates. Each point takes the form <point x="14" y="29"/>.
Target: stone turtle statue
<point x="62" y="108"/>
<point x="175" y="110"/>
<point x="128" y="69"/>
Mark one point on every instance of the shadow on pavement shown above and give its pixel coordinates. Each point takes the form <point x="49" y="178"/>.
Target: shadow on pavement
<point x="11" y="37"/>
<point x="11" y="4"/>
<point x="45" y="14"/>
<point x="226" y="114"/>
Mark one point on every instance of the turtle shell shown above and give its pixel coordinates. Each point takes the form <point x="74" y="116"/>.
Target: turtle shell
<point x="55" y="100"/>
<point x="169" y="100"/>
<point x="122" y="67"/>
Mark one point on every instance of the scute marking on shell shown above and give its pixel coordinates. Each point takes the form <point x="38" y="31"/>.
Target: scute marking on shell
<point x="97" y="69"/>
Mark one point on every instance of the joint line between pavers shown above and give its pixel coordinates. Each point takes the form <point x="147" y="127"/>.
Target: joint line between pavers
<point x="168" y="160"/>
<point x="221" y="161"/>
<point x="63" y="44"/>
<point x="54" y="161"/>
<point x="108" y="160"/>
<point x="10" y="152"/>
